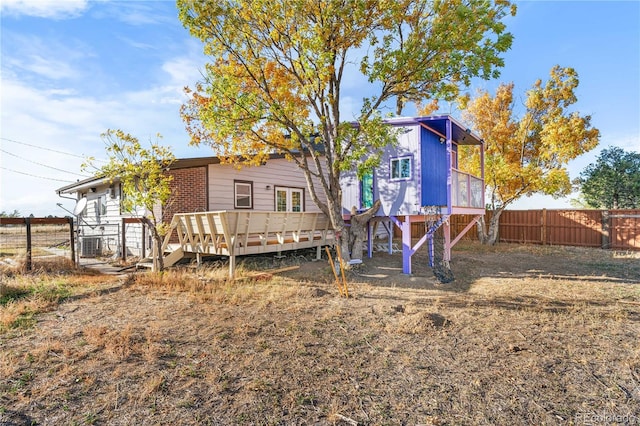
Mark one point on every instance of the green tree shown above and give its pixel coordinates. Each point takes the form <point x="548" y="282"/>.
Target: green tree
<point x="527" y="155"/>
<point x="15" y="213"/>
<point x="613" y="181"/>
<point x="145" y="185"/>
<point x="276" y="78"/>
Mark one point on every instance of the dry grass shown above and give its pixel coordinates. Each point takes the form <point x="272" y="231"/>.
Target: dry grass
<point x="23" y="296"/>
<point x="525" y="335"/>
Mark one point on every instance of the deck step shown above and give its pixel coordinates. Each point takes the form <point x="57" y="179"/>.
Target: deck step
<point x="169" y="259"/>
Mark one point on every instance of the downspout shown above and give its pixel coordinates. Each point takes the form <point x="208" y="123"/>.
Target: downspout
<point x="75" y="242"/>
<point x="66" y="198"/>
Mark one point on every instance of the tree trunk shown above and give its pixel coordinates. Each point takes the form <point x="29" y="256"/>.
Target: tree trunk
<point x="490" y="236"/>
<point x="158" y="258"/>
<point x="358" y="230"/>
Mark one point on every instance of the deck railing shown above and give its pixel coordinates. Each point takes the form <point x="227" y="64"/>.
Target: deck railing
<point x="238" y="232"/>
<point x="466" y="190"/>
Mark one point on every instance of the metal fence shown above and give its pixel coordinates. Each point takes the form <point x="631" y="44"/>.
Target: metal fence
<point x="121" y="239"/>
<point x="32" y="242"/>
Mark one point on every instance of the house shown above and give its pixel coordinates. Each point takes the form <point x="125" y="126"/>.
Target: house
<point x="419" y="180"/>
<point x="220" y="210"/>
<point x="198" y="185"/>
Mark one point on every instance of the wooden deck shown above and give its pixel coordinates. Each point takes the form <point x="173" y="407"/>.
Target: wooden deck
<point x="238" y="232"/>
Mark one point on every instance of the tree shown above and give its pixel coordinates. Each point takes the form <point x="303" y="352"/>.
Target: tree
<point x="144" y="183"/>
<point x="528" y="154"/>
<point x="613" y="181"/>
<point x="15" y="213"/>
<point x="278" y="67"/>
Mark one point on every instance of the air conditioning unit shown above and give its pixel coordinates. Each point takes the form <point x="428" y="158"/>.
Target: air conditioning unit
<point x="90" y="246"/>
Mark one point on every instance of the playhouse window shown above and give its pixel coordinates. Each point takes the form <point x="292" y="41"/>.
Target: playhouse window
<point x="243" y="194"/>
<point x="401" y="168"/>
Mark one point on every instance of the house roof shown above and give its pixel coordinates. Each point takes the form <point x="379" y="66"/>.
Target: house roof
<point x="437" y="124"/>
<point x="180" y="163"/>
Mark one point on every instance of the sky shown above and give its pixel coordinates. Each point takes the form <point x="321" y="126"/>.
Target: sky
<point x="71" y="69"/>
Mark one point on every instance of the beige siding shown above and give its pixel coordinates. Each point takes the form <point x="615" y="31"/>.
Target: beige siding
<point x="277" y="172"/>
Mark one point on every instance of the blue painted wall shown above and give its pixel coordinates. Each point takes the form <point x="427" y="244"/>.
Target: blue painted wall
<point x="433" y="157"/>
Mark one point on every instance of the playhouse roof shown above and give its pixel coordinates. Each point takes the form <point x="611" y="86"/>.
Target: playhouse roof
<point x="460" y="134"/>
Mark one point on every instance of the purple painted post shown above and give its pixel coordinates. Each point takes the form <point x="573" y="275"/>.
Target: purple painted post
<point x="369" y="240"/>
<point x="482" y="171"/>
<point x="407" y="251"/>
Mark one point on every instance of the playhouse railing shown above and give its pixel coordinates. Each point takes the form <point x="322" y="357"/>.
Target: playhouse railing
<point x="467" y="190"/>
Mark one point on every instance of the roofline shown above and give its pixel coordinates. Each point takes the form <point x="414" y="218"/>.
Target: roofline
<point x="416" y="120"/>
<point x="84" y="184"/>
<point x="180" y="163"/>
<point x="185" y="163"/>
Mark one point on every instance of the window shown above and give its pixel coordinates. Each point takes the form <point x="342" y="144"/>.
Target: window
<point x="366" y="191"/>
<point x="289" y="199"/>
<point x="243" y="194"/>
<point x="401" y="168"/>
<point x="100" y="207"/>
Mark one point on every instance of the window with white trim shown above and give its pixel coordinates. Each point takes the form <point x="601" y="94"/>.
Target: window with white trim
<point x="243" y="194"/>
<point x="400" y="168"/>
<point x="289" y="199"/>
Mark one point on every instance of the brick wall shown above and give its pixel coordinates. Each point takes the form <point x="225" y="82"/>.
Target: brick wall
<point x="189" y="192"/>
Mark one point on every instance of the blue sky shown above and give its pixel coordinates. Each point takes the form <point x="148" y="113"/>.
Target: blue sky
<point x="72" y="69"/>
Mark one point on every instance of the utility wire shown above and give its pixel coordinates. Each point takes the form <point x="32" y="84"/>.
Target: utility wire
<point x="48" y="149"/>
<point x="43" y="165"/>
<point x="35" y="176"/>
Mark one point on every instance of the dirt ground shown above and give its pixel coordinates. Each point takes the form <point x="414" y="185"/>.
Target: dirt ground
<point x="524" y="335"/>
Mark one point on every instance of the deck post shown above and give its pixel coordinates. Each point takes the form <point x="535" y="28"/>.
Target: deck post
<point x="232" y="266"/>
<point x="369" y="240"/>
<point x="407" y="250"/>
<point x="447" y="240"/>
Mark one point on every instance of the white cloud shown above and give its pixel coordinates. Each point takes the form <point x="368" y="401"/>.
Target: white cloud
<point x="30" y="56"/>
<point x="68" y="120"/>
<point x="51" y="9"/>
<point x="136" y="13"/>
<point x="49" y="68"/>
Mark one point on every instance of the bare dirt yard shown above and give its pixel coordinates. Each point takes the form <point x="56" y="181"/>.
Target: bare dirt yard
<point x="524" y="335"/>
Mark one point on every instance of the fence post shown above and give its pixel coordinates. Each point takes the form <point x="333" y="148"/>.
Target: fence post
<point x="144" y="240"/>
<point x="72" y="242"/>
<point x="124" y="240"/>
<point x="543" y="236"/>
<point x="605" y="220"/>
<point x="27" y="221"/>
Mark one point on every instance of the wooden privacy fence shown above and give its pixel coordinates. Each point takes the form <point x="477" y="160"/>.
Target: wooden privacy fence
<point x="607" y="229"/>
